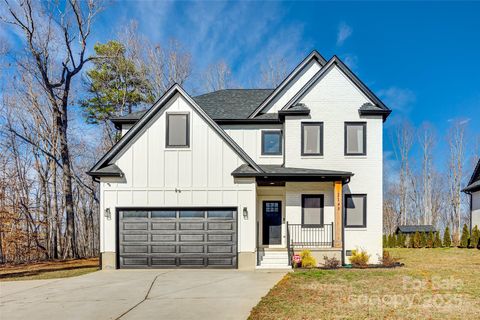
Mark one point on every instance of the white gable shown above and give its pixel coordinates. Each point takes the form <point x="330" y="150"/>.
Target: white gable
<point x="293" y="87"/>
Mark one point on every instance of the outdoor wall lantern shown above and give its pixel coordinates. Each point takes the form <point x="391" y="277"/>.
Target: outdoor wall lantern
<point x="108" y="214"/>
<point x="245" y="213"/>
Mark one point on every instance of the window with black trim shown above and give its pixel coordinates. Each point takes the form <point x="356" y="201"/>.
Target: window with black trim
<point x="271" y="142"/>
<point x="355" y="138"/>
<point x="356" y="210"/>
<point x="312" y="138"/>
<point x="178" y="133"/>
<point x="312" y="210"/>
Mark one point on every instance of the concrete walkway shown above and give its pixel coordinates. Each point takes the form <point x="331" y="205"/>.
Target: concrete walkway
<point x="138" y="294"/>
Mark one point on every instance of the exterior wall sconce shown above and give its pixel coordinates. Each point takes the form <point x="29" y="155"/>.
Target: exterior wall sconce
<point x="108" y="214"/>
<point x="245" y="213"/>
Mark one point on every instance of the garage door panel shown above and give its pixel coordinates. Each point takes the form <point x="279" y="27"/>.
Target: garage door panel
<point x="164" y="226"/>
<point x="168" y="238"/>
<point x="163" y="237"/>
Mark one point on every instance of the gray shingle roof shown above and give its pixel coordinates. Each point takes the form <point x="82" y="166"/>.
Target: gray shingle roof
<point x="271" y="170"/>
<point x="415" y="228"/>
<point x="228" y="104"/>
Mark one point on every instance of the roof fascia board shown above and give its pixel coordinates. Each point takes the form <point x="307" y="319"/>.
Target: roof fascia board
<point x="336" y="61"/>
<point x="313" y="55"/>
<point x="150" y="114"/>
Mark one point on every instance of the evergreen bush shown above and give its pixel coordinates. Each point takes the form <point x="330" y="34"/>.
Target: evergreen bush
<point x="465" y="237"/>
<point x="308" y="261"/>
<point x="437" y="243"/>
<point x="475" y="238"/>
<point x="430" y="240"/>
<point x="385" y="241"/>
<point x="447" y="238"/>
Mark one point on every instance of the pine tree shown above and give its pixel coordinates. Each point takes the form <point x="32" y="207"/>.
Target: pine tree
<point x="400" y="240"/>
<point x="423" y="240"/>
<point x="465" y="237"/>
<point x="430" y="240"/>
<point x="447" y="238"/>
<point x="475" y="238"/>
<point x="411" y="241"/>
<point x="437" y="243"/>
<point x="417" y="240"/>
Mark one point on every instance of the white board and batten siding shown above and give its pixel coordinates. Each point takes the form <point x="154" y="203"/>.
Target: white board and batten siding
<point x="156" y="176"/>
<point x="476" y="209"/>
<point x="334" y="100"/>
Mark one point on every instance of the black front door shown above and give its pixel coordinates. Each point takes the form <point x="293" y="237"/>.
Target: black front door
<point x="272" y="222"/>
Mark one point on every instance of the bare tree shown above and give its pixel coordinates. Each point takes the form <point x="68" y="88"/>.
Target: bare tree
<point x="56" y="42"/>
<point x="456" y="142"/>
<point x="273" y="71"/>
<point x="217" y="76"/>
<point x="404" y="136"/>
<point x="427" y="138"/>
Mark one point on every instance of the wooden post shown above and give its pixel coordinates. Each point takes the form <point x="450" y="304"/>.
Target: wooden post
<point x="338" y="195"/>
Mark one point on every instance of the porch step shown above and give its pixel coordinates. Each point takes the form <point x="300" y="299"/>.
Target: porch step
<point x="273" y="259"/>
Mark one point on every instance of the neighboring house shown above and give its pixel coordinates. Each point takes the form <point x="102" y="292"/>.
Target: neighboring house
<point x="473" y="189"/>
<point x="243" y="178"/>
<point x="412" y="229"/>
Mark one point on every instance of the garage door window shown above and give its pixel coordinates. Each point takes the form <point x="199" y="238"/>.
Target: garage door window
<point x="164" y="214"/>
<point x="135" y="214"/>
<point x="221" y="214"/>
<point x="192" y="214"/>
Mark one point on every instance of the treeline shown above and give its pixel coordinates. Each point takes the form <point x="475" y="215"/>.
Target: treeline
<point x="55" y="107"/>
<point x="433" y="239"/>
<point x="424" y="177"/>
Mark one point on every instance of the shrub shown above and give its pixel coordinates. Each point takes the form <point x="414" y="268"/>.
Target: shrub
<point x="331" y="263"/>
<point x="417" y="240"/>
<point x="308" y="261"/>
<point x="401" y="239"/>
<point x="388" y="260"/>
<point x="430" y="240"/>
<point x="423" y="239"/>
<point x="447" y="239"/>
<point x="437" y="243"/>
<point x="385" y="241"/>
<point x="411" y="241"/>
<point x="475" y="238"/>
<point x="465" y="237"/>
<point x="359" y="259"/>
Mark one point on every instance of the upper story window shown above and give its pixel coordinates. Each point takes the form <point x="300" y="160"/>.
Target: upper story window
<point x="178" y="135"/>
<point x="356" y="210"/>
<point x="312" y="210"/>
<point x="271" y="142"/>
<point x="355" y="138"/>
<point x="312" y="138"/>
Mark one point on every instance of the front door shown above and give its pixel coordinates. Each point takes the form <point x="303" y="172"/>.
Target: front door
<point x="272" y="222"/>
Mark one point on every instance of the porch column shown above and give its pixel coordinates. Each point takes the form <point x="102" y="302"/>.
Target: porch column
<point x="337" y="194"/>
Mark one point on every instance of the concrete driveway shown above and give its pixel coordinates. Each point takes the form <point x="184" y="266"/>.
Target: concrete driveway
<point x="138" y="294"/>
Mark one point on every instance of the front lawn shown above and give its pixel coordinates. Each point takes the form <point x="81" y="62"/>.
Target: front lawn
<point x="434" y="284"/>
<point x="49" y="269"/>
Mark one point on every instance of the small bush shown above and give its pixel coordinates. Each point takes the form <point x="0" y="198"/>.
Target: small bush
<point x="437" y="243"/>
<point x="308" y="261"/>
<point x="331" y="263"/>
<point x="423" y="239"/>
<point x="417" y="240"/>
<point x="359" y="259"/>
<point x="388" y="260"/>
<point x="401" y="239"/>
<point x="447" y="239"/>
<point x="465" y="237"/>
<point x="475" y="238"/>
<point x="411" y="241"/>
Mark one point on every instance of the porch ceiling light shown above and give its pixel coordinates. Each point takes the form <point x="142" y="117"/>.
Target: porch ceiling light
<point x="245" y="213"/>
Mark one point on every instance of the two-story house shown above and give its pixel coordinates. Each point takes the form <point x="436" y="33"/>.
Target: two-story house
<point x="243" y="178"/>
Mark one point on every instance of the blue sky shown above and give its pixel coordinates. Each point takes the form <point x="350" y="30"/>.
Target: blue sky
<point x="421" y="59"/>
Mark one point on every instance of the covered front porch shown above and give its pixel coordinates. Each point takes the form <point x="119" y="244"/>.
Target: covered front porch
<point x="297" y="209"/>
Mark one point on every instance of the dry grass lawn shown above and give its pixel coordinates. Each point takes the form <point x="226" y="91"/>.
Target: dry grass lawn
<point x="48" y="269"/>
<point x="434" y="284"/>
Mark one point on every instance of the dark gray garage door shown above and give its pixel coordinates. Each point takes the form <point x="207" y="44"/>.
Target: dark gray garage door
<point x="169" y="238"/>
